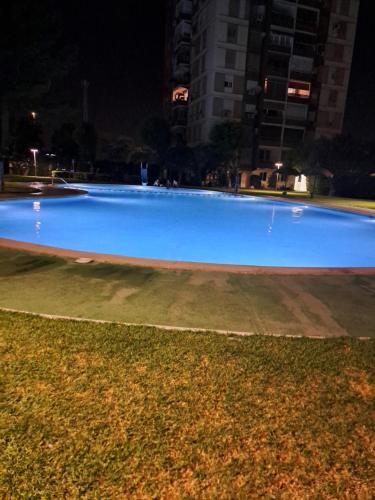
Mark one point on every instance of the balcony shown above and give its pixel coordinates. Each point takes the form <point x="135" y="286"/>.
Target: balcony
<point x="180" y="76"/>
<point x="277" y="119"/>
<point x="280" y="48"/>
<point x="183" y="33"/>
<point x="277" y="70"/>
<point x="306" y="26"/>
<point x="298" y="75"/>
<point x="296" y="122"/>
<point x="310" y="3"/>
<point x="275" y="92"/>
<point x="303" y="50"/>
<point x="184" y="10"/>
<point x="282" y="20"/>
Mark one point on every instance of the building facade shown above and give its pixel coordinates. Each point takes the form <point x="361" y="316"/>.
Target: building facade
<point x="280" y="67"/>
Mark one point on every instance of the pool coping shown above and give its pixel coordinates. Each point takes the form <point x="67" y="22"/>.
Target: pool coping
<point x="183" y="265"/>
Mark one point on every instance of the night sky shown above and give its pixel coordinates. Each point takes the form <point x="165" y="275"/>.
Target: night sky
<point x="360" y="112"/>
<point x="121" y="45"/>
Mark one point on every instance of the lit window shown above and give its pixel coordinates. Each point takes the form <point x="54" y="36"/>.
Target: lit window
<point x="180" y="94"/>
<point x="299" y="89"/>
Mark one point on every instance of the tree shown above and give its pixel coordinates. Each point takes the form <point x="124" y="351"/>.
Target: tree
<point x="28" y="134"/>
<point x="141" y="154"/>
<point x="344" y="160"/>
<point x="225" y="141"/>
<point x="292" y="164"/>
<point x="118" y="149"/>
<point x="88" y="140"/>
<point x="180" y="162"/>
<point x="64" y="144"/>
<point x="156" y="135"/>
<point x="205" y="160"/>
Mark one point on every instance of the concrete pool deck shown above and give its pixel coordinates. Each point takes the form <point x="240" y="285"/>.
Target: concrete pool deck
<point x="188" y="266"/>
<point x="22" y="190"/>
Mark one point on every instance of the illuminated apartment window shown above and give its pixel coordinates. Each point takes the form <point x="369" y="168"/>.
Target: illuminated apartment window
<point x="299" y="89"/>
<point x="228" y="83"/>
<point x="180" y="94"/>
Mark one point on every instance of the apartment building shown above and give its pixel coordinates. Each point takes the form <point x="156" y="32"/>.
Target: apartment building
<point x="280" y="67"/>
<point x="177" y="65"/>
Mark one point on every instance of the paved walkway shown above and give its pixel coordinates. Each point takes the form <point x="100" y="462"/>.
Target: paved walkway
<point x="15" y="190"/>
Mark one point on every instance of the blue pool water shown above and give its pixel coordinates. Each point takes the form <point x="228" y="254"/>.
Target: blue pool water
<point x="195" y="226"/>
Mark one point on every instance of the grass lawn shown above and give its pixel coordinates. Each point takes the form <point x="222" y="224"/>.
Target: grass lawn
<point x="107" y="411"/>
<point x="294" y="305"/>
<point x="331" y="201"/>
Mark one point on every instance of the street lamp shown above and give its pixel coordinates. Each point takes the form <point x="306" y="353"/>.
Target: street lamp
<point x="278" y="165"/>
<point x="34" y="152"/>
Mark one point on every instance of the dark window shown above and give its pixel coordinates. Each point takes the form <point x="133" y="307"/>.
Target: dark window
<point x="234" y="8"/>
<point x="338" y="76"/>
<point x="307" y="20"/>
<point x="232" y="33"/>
<point x="332" y="97"/>
<point x="293" y="137"/>
<point x="204" y="39"/>
<point x="230" y="59"/>
<point x="345" y="6"/>
<point x="275" y="89"/>
<point x="339" y="30"/>
<point x="270" y="134"/>
<point x="265" y="155"/>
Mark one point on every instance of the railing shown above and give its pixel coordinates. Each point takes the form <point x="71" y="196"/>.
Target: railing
<point x="60" y="179"/>
<point x="303" y="50"/>
<point x="279" y="19"/>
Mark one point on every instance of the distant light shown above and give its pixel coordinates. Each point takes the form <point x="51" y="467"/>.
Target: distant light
<point x="34" y="152"/>
<point x="278" y="165"/>
<point x="180" y="94"/>
<point x="33" y="115"/>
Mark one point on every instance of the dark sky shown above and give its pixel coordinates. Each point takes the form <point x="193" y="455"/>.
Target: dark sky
<point x="360" y="113"/>
<point x="121" y="44"/>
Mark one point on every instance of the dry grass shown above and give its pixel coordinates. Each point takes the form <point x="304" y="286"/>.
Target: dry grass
<point x="104" y="411"/>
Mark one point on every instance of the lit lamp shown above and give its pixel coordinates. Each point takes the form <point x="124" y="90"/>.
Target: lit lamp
<point x="278" y="165"/>
<point x="34" y="152"/>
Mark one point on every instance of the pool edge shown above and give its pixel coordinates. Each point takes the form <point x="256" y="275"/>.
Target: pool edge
<point x="182" y="265"/>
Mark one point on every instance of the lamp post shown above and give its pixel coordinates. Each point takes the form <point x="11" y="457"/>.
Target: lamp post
<point x="278" y="165"/>
<point x="34" y="152"/>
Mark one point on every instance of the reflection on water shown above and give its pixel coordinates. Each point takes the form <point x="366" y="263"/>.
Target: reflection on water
<point x="38" y="223"/>
<point x="270" y="227"/>
<point x="36" y="206"/>
<point x="297" y="213"/>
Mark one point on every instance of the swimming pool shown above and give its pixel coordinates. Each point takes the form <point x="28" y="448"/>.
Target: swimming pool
<point x="193" y="226"/>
